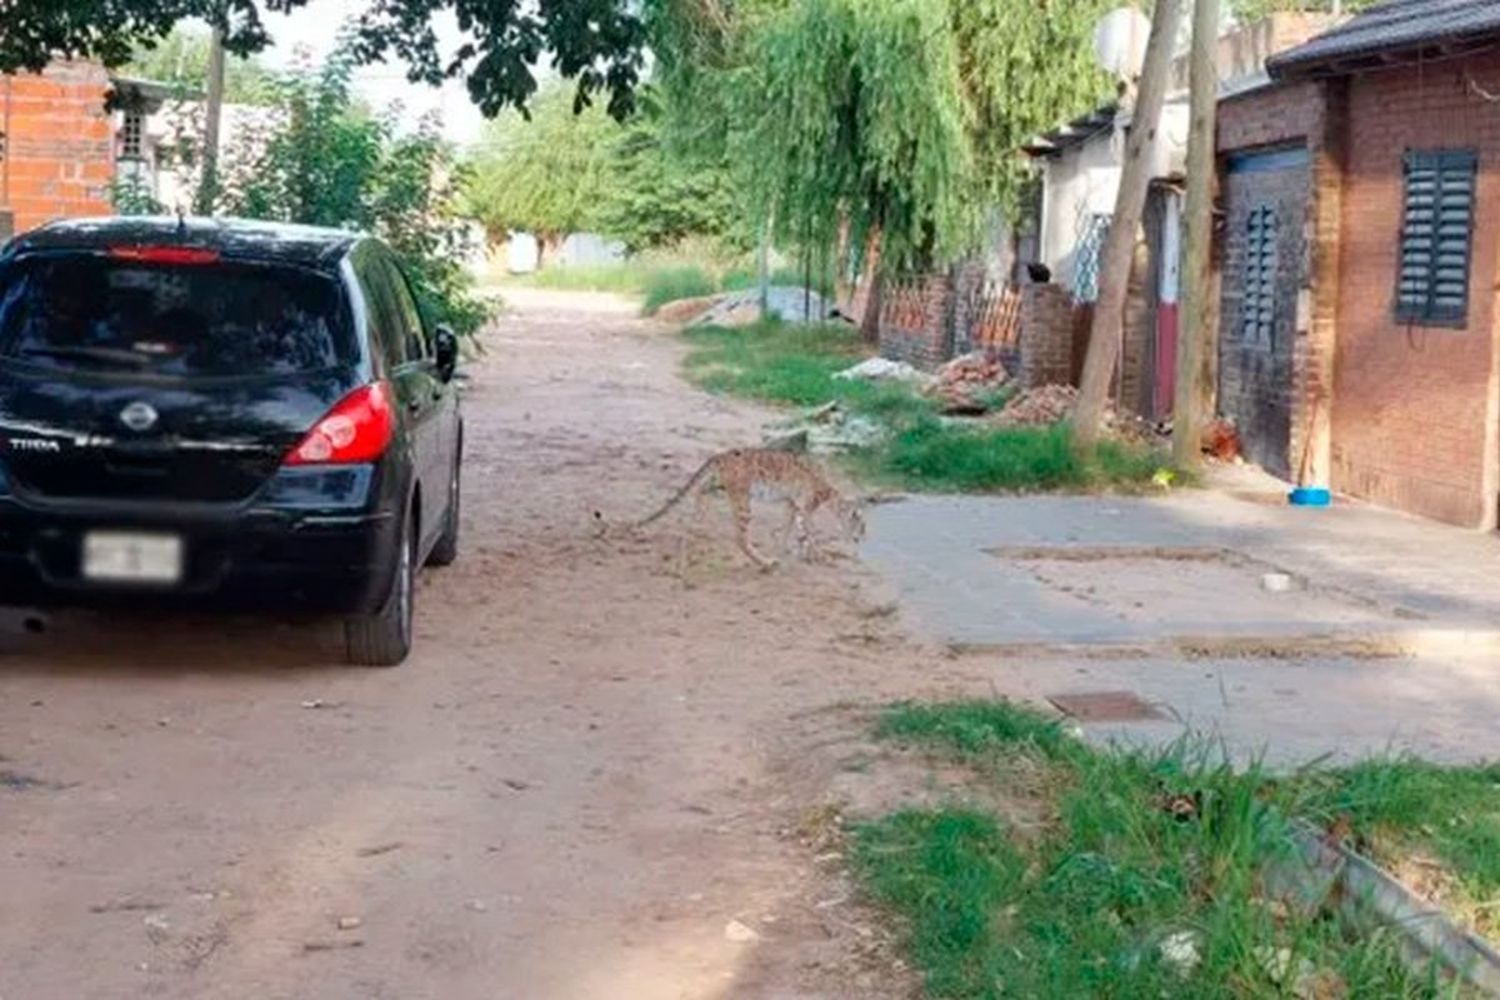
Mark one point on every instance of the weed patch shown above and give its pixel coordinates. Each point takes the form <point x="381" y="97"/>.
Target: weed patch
<point x="1147" y="884"/>
<point x="1412" y="814"/>
<point x="673" y="283"/>
<point x="658" y="279"/>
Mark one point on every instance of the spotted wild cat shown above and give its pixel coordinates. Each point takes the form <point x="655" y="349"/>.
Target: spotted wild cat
<point x="796" y="479"/>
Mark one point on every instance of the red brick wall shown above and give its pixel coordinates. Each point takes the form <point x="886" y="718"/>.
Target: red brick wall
<point x="915" y="320"/>
<point x="1270" y="117"/>
<point x="1415" y="409"/>
<point x="1047" y="341"/>
<point x="59" y="150"/>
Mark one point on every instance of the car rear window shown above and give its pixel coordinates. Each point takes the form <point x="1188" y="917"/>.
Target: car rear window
<point x="98" y="313"/>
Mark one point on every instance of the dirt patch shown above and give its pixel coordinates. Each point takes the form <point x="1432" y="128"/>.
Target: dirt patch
<point x="583" y="757"/>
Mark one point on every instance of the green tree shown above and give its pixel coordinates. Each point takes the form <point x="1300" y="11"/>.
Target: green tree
<point x="1025" y="67"/>
<point x="182" y="59"/>
<point x="323" y="159"/>
<point x="854" y="114"/>
<point x="547" y="173"/>
<point x="597" y="43"/>
<point x="660" y="192"/>
<point x="852" y="118"/>
<point x="1250" y="10"/>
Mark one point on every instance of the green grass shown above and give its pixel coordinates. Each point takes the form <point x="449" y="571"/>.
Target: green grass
<point x="950" y="872"/>
<point x="623" y="279"/>
<point x="658" y="279"/>
<point x="1403" y="807"/>
<point x="775" y="363"/>
<point x="1084" y="908"/>
<point x="670" y="284"/>
<point x="975" y="729"/>
<point x="940" y="458"/>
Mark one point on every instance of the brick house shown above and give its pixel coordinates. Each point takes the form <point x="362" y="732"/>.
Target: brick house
<point x="57" y="157"/>
<point x="1359" y="343"/>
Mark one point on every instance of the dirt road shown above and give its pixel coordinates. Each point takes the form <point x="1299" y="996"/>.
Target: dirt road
<point x="589" y="769"/>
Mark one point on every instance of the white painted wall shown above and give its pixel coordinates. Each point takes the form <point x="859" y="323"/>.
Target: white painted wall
<point x="1084" y="181"/>
<point x="1079" y="183"/>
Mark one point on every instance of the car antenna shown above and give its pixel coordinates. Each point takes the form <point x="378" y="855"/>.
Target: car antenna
<point x="181" y="223"/>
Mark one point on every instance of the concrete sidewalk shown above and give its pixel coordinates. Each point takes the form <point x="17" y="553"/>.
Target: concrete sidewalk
<point x="985" y="570"/>
<point x="1163" y="599"/>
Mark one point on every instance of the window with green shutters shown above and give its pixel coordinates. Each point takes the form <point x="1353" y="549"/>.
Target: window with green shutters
<point x="1437" y="237"/>
<point x="1258" y="304"/>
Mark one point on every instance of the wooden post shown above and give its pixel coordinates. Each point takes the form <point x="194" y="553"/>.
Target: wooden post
<point x="873" y="273"/>
<point x="1198" y="340"/>
<point x="213" y="113"/>
<point x="1116" y="255"/>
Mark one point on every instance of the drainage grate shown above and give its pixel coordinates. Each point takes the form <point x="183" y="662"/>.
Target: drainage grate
<point x="1105" y="706"/>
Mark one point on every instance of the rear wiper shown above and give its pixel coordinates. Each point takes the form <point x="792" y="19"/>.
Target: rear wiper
<point x="108" y="355"/>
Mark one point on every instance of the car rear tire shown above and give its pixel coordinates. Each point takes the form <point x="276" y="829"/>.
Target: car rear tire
<point x="445" y="552"/>
<point x="384" y="638"/>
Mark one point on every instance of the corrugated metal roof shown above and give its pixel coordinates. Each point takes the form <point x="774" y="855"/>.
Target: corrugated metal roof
<point x="1074" y="133"/>
<point x="1393" y="27"/>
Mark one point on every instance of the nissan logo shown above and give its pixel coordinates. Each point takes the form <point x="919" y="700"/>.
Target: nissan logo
<point x="139" y="416"/>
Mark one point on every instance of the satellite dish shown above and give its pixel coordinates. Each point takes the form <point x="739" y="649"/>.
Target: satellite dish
<point x="1120" y="42"/>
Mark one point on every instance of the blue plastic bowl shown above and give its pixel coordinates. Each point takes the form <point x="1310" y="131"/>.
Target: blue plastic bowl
<point x="1310" y="496"/>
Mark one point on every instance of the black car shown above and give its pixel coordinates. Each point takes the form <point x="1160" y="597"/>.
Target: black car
<point x="234" y="415"/>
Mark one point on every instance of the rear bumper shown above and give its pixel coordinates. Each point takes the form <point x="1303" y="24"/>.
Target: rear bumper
<point x="289" y="559"/>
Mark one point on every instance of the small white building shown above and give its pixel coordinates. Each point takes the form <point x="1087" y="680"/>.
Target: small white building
<point x="158" y="129"/>
<point x="1081" y="163"/>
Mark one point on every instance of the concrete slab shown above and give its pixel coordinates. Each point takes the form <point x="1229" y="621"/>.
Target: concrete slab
<point x="1372" y="570"/>
<point x="1285" y="712"/>
<point x="1197" y="638"/>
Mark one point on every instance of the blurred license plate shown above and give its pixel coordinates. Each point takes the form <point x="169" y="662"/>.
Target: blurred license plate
<point x="126" y="557"/>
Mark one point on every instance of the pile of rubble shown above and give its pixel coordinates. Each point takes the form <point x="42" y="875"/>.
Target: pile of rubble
<point x="967" y="384"/>
<point x="784" y="302"/>
<point x="881" y="370"/>
<point x="1051" y="404"/>
<point x="824" y="430"/>
<point x="1048" y="404"/>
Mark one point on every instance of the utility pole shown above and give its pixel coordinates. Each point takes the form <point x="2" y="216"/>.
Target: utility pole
<point x="1119" y="246"/>
<point x="1198" y="341"/>
<point x="213" y="113"/>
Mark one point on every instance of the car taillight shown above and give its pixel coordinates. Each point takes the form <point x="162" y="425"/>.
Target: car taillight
<point x="358" y="429"/>
<point x="165" y="255"/>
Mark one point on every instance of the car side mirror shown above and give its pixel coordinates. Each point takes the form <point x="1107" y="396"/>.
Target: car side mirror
<point x="446" y="343"/>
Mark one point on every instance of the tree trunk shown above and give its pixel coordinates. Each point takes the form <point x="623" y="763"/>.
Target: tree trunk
<point x="869" y="323"/>
<point x="208" y="187"/>
<point x="843" y="289"/>
<point x="547" y="246"/>
<point x="1196" y="354"/>
<point x="1115" y="258"/>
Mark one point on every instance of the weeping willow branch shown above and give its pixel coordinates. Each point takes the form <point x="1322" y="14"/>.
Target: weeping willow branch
<point x="904" y="116"/>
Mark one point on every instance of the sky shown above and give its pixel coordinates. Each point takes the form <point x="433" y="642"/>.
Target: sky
<point x="315" y="28"/>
